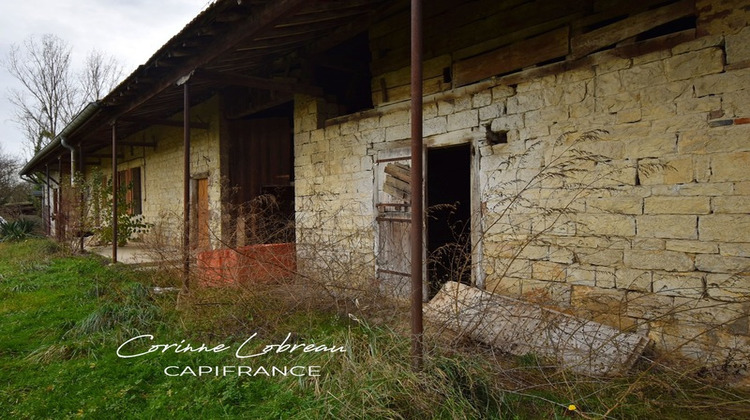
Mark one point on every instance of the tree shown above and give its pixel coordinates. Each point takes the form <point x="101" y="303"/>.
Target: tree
<point x="12" y="189"/>
<point x="47" y="101"/>
<point x="52" y="92"/>
<point x="99" y="76"/>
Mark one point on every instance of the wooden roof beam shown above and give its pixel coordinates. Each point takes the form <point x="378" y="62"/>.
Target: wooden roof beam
<point x="139" y="144"/>
<point x="182" y="52"/>
<point x="254" y="82"/>
<point x="167" y="123"/>
<point x="103" y="155"/>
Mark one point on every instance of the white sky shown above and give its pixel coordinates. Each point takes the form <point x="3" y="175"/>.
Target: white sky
<point x="129" y="30"/>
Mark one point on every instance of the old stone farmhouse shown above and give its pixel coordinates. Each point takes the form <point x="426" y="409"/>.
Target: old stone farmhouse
<point x="592" y="156"/>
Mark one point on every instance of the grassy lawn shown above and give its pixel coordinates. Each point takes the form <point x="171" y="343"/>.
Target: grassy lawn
<point x="62" y="319"/>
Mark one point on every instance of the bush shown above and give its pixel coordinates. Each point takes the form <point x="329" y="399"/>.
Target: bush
<point x="16" y="230"/>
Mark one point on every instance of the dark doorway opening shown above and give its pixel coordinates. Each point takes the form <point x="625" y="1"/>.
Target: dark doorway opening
<point x="448" y="216"/>
<point x="261" y="177"/>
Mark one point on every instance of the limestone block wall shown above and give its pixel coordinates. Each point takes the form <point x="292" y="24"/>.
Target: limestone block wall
<point x="654" y="233"/>
<point x="162" y="172"/>
<point x="617" y="189"/>
<point x="333" y="188"/>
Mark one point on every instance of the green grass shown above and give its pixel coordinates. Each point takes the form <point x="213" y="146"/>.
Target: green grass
<point x="63" y="317"/>
<point x="61" y="321"/>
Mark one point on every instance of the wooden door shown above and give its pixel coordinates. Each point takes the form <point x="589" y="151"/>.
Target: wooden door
<point x="392" y="201"/>
<point x="202" y="214"/>
<point x="261" y="164"/>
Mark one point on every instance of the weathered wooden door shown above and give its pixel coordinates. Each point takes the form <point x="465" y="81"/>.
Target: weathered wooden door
<point x="261" y="163"/>
<point x="392" y="202"/>
<point x="202" y="213"/>
<point x="130" y="181"/>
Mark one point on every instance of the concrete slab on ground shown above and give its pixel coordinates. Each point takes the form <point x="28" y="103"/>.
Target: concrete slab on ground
<point x="521" y="328"/>
<point x="128" y="254"/>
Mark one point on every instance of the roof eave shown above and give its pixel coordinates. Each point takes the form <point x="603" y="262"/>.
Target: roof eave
<point x="50" y="149"/>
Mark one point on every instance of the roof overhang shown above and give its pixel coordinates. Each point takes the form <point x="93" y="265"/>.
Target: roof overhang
<point x="52" y="150"/>
<point x="255" y="44"/>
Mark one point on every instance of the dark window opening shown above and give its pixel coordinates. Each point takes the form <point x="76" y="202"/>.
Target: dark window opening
<point x="551" y="61"/>
<point x="496" y="137"/>
<point x="603" y="23"/>
<point x="448" y="216"/>
<point x="675" y="26"/>
<point x="343" y="72"/>
<point x="447" y="75"/>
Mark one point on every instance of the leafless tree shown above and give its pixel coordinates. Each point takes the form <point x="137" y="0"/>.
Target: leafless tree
<point x="11" y="187"/>
<point x="47" y="101"/>
<point x="52" y="90"/>
<point x="99" y="76"/>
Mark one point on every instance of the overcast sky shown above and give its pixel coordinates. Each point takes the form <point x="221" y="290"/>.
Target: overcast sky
<point x="130" y="30"/>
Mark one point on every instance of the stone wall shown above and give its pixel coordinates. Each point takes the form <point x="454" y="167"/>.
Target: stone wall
<point x="333" y="188"/>
<point x="162" y="168"/>
<point x="654" y="234"/>
<point x="622" y="192"/>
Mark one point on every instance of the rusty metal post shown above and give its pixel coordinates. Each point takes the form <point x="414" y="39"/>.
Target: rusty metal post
<point x="186" y="190"/>
<point x="82" y="199"/>
<point x="59" y="213"/>
<point x="114" y="192"/>
<point x="417" y="210"/>
<point x="48" y="205"/>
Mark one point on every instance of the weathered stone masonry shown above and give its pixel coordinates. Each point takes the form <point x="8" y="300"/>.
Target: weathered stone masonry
<point x="663" y="251"/>
<point x="161" y="172"/>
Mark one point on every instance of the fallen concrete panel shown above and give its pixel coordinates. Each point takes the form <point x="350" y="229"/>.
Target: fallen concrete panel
<point x="520" y="328"/>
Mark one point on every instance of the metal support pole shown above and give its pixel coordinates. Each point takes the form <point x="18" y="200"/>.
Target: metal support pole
<point x="417" y="210"/>
<point x="48" y="205"/>
<point x="58" y="214"/>
<point x="82" y="200"/>
<point x="186" y="190"/>
<point x="114" y="192"/>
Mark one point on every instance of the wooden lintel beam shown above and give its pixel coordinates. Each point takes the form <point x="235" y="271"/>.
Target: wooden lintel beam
<point x="104" y="155"/>
<point x="589" y="42"/>
<point x="168" y="123"/>
<point x="516" y="56"/>
<point x="257" y="82"/>
<point x="261" y="107"/>
<point x="139" y="144"/>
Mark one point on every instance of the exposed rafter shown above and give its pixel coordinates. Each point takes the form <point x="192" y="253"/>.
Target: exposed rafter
<point x="103" y="155"/>
<point x="139" y="144"/>
<point x="232" y="79"/>
<point x="167" y="123"/>
<point x="256" y="47"/>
